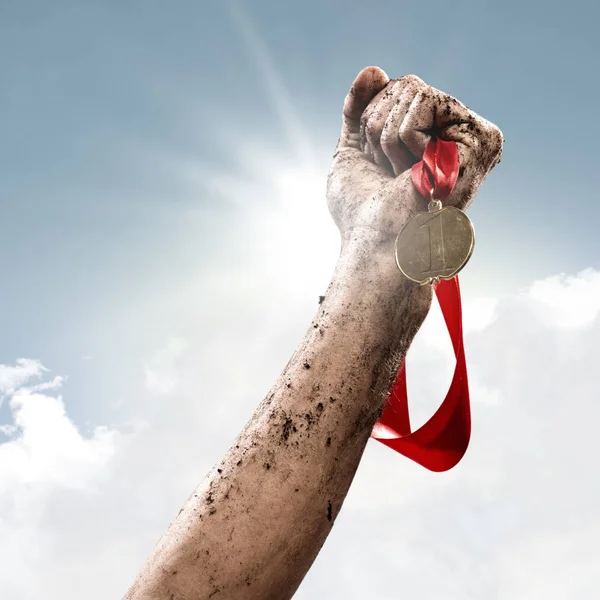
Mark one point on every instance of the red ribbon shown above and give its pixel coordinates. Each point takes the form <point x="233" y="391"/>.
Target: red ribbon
<point x="438" y="170"/>
<point x="441" y="442"/>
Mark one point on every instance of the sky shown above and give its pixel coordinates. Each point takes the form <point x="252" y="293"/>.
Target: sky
<point x="164" y="240"/>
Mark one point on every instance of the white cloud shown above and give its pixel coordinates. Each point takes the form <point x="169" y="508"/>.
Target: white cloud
<point x="46" y="447"/>
<point x="569" y="302"/>
<point x="518" y="518"/>
<point x="45" y="455"/>
<point x="12" y="376"/>
<point x="159" y="376"/>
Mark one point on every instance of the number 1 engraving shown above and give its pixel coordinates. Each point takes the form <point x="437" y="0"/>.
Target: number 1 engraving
<point x="437" y="251"/>
<point x="428" y="250"/>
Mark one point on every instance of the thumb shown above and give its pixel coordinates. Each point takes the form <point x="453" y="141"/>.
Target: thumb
<point x="368" y="83"/>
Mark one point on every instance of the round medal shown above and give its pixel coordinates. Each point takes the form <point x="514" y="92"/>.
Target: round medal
<point x="435" y="245"/>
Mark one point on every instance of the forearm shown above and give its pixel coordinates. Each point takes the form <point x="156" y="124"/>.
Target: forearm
<point x="255" y="525"/>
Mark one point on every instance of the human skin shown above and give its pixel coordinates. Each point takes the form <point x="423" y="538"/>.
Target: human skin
<point x="254" y="526"/>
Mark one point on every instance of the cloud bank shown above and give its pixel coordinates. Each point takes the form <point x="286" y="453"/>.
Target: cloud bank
<point x="517" y="519"/>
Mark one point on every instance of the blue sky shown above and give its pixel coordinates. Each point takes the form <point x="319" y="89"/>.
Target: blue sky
<point x="102" y="100"/>
<point x="150" y="159"/>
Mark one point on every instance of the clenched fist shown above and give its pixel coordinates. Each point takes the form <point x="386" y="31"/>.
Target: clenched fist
<point x="386" y="126"/>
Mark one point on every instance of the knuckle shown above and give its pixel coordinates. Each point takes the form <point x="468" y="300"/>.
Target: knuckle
<point x="387" y="135"/>
<point x="497" y="139"/>
<point x="372" y="127"/>
<point x="404" y="130"/>
<point x="493" y="138"/>
<point x="403" y="133"/>
<point x="412" y="80"/>
<point x="389" y="90"/>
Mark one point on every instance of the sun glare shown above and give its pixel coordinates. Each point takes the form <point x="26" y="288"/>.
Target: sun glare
<point x="296" y="232"/>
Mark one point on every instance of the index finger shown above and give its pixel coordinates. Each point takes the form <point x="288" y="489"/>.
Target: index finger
<point x="368" y="83"/>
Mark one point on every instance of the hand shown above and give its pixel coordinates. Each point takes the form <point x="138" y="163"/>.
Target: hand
<point x="386" y="126"/>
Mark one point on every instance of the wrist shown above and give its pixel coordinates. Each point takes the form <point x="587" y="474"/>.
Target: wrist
<point x="366" y="270"/>
<point x="369" y="296"/>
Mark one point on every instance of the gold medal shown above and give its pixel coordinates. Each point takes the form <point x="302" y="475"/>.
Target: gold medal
<point x="435" y="245"/>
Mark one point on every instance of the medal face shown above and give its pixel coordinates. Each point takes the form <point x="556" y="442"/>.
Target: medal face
<point x="435" y="245"/>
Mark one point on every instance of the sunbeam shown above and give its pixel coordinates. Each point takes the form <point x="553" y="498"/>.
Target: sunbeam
<point x="258" y="50"/>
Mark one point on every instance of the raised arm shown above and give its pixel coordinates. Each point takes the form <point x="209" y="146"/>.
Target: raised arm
<point x="254" y="526"/>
